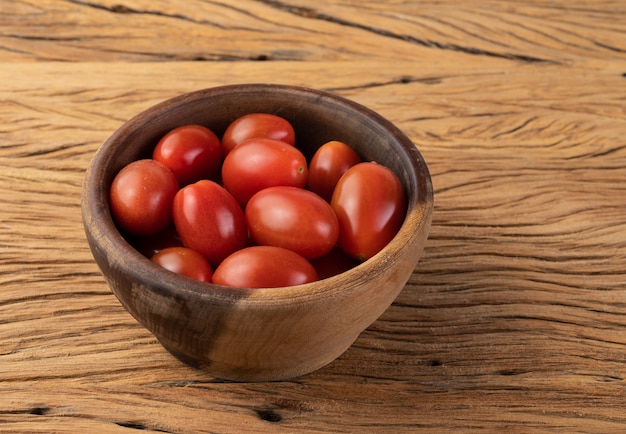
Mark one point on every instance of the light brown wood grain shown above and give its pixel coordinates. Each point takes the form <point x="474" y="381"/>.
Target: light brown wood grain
<point x="109" y="30"/>
<point x="516" y="308"/>
<point x="514" y="319"/>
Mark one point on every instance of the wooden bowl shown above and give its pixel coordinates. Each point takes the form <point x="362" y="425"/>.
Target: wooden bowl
<point x="258" y="334"/>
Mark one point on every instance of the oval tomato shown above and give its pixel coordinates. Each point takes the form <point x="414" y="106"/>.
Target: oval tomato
<point x="141" y="197"/>
<point x="370" y="204"/>
<point x="209" y="220"/>
<point x="293" y="218"/>
<point x="257" y="125"/>
<point x="329" y="162"/>
<point x="192" y="152"/>
<point x="185" y="261"/>
<point x="264" y="267"/>
<point x="260" y="163"/>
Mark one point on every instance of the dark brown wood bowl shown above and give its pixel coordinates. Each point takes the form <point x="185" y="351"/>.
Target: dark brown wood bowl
<point x="247" y="334"/>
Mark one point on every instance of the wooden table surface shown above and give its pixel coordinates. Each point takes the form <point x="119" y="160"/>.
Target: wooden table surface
<point x="514" y="319"/>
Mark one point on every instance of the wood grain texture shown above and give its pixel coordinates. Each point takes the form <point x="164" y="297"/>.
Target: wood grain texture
<point x="111" y="30"/>
<point x="515" y="318"/>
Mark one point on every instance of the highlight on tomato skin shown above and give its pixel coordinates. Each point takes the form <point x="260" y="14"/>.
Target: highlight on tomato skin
<point x="209" y="220"/>
<point x="264" y="267"/>
<point x="184" y="261"/>
<point x="329" y="163"/>
<point x="266" y="218"/>
<point x="257" y="125"/>
<point x="261" y="163"/>
<point x="191" y="152"/>
<point x="141" y="197"/>
<point x="370" y="204"/>
<point x="293" y="218"/>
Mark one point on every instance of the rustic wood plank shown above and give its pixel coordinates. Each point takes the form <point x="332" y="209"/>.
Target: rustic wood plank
<point x="142" y="30"/>
<point x="514" y="317"/>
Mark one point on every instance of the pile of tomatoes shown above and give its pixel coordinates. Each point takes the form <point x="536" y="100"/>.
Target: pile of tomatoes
<point x="250" y="211"/>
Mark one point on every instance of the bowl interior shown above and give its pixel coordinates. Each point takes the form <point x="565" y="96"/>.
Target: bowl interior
<point x="270" y="333"/>
<point x="317" y="117"/>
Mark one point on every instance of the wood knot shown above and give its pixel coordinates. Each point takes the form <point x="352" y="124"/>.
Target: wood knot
<point x="269" y="415"/>
<point x="39" y="411"/>
<point x="121" y="9"/>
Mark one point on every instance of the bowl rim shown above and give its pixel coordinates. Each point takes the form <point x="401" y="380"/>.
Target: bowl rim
<point x="98" y="219"/>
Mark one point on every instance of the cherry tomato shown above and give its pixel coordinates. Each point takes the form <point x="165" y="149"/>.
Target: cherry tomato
<point x="257" y="125"/>
<point x="264" y="267"/>
<point x="192" y="152"/>
<point x="329" y="162"/>
<point x="209" y="220"/>
<point x="260" y="163"/>
<point x="184" y="261"/>
<point x="141" y="197"/>
<point x="370" y="204"/>
<point x="293" y="218"/>
<point x="333" y="263"/>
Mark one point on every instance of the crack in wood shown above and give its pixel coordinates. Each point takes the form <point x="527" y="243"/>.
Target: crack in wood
<point x="399" y="80"/>
<point x="139" y="426"/>
<point x="609" y="47"/>
<point x="313" y="14"/>
<point x="123" y="9"/>
<point x="41" y="38"/>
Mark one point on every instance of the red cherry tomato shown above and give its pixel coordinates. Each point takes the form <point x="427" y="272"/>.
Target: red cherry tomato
<point x="141" y="197"/>
<point x="370" y="204"/>
<point x="333" y="263"/>
<point x="209" y="220"/>
<point x="257" y="125"/>
<point x="264" y="267"/>
<point x="329" y="162"/>
<point x="192" y="152"/>
<point x="260" y="163"/>
<point x="184" y="261"/>
<point x="293" y="218"/>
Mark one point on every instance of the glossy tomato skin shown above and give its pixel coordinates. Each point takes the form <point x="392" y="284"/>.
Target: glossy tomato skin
<point x="264" y="267"/>
<point x="141" y="197"/>
<point x="260" y="163"/>
<point x="328" y="164"/>
<point x="192" y="152"/>
<point x="370" y="204"/>
<point x="293" y="218"/>
<point x="184" y="261"/>
<point x="209" y="220"/>
<point x="257" y="125"/>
